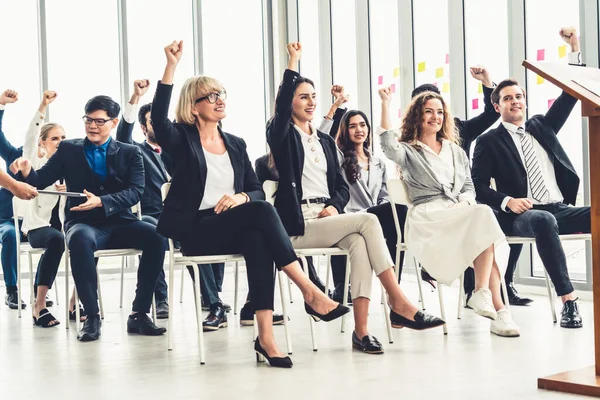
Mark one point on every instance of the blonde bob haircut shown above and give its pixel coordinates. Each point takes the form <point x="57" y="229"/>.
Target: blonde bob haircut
<point x="413" y="120"/>
<point x="194" y="88"/>
<point x="46" y="128"/>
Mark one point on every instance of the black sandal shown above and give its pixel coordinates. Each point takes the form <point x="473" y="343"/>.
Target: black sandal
<point x="45" y="319"/>
<point x="82" y="315"/>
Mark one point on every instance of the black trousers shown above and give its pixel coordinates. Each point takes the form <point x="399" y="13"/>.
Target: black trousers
<point x="383" y="212"/>
<point x="160" y="291"/>
<point x="251" y="229"/>
<point x="54" y="242"/>
<point x="83" y="240"/>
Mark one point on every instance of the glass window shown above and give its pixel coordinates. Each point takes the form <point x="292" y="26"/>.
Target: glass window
<point x="238" y="65"/>
<point x="83" y="58"/>
<point x="308" y="20"/>
<point x="145" y="43"/>
<point x="545" y="44"/>
<point x="343" y="38"/>
<point x="19" y="71"/>
<point x="485" y="46"/>
<point x="431" y="44"/>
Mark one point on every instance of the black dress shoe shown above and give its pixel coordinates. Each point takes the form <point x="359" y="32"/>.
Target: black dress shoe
<point x="338" y="294"/>
<point x="278" y="362"/>
<point x="570" y="317"/>
<point x="330" y="316"/>
<point x="162" y="309"/>
<point x="216" y="319"/>
<point x="12" y="299"/>
<point x="142" y="324"/>
<point x="247" y="316"/>
<point x="206" y="307"/>
<point x="91" y="329"/>
<point x="422" y="321"/>
<point x="513" y="296"/>
<point x="368" y="344"/>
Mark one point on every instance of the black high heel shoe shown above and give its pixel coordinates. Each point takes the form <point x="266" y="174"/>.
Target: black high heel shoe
<point x="330" y="316"/>
<point x="277" y="362"/>
<point x="425" y="277"/>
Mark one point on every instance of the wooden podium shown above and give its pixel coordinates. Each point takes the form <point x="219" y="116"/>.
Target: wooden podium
<point x="585" y="381"/>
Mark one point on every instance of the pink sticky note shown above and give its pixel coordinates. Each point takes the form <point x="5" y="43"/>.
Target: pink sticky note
<point x="435" y="83"/>
<point x="475" y="104"/>
<point x="550" y="102"/>
<point x="447" y="58"/>
<point x="541" y="54"/>
<point x="393" y="87"/>
<point x="380" y="80"/>
<point x="399" y="113"/>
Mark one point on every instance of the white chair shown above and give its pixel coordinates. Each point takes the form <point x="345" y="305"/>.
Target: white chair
<point x="193" y="261"/>
<point x="19" y="208"/>
<point x="549" y="286"/>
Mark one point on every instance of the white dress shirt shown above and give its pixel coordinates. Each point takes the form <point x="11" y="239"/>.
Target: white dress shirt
<point x="314" y="174"/>
<point x="546" y="167"/>
<point x="219" y="179"/>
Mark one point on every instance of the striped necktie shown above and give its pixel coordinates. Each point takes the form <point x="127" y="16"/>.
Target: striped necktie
<point x="534" y="172"/>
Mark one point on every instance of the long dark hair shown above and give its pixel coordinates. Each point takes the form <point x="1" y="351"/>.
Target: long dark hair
<point x="347" y="146"/>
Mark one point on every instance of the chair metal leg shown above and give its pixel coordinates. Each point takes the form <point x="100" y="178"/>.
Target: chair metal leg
<point x="442" y="310"/>
<point x="56" y="291"/>
<point x="236" y="287"/>
<point x="31" y="280"/>
<point x="77" y="313"/>
<point x="461" y="295"/>
<point x="313" y="332"/>
<point x="99" y="293"/>
<point x="288" y="336"/>
<point x="183" y="268"/>
<point x="419" y="284"/>
<point x="154" y="319"/>
<point x="124" y="262"/>
<point x="328" y="275"/>
<point x="67" y="286"/>
<point x="550" y="296"/>
<point x="19" y="288"/>
<point x="198" y="313"/>
<point x="346" y="285"/>
<point x="170" y="293"/>
<point x="386" y="313"/>
<point x="289" y="282"/>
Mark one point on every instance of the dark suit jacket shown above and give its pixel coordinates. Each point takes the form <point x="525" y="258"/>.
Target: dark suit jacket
<point x="9" y="153"/>
<point x="470" y="129"/>
<point x="156" y="168"/>
<point x="182" y="142"/>
<point x="496" y="156"/>
<point x="287" y="150"/>
<point x="120" y="191"/>
<point x="263" y="171"/>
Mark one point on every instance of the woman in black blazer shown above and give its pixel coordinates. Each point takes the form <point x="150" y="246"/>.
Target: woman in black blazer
<point x="216" y="204"/>
<point x="311" y="195"/>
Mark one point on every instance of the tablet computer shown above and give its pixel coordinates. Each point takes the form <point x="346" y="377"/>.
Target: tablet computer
<point x="68" y="194"/>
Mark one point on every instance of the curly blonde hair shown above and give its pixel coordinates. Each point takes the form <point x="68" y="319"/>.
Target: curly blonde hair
<point x="413" y="120"/>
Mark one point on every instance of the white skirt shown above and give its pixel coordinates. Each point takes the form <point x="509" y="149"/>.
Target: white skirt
<point x="447" y="240"/>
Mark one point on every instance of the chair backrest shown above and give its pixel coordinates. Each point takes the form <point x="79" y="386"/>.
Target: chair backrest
<point x="137" y="210"/>
<point x="164" y="190"/>
<point x="399" y="192"/>
<point x="270" y="189"/>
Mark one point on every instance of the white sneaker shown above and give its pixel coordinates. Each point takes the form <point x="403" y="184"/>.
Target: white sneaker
<point x="504" y="325"/>
<point x="481" y="302"/>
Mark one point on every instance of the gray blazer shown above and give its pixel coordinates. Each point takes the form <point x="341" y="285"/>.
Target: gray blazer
<point x="423" y="185"/>
<point x="363" y="196"/>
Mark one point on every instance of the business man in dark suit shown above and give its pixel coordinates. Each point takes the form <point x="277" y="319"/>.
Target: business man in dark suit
<point x="535" y="182"/>
<point x="111" y="174"/>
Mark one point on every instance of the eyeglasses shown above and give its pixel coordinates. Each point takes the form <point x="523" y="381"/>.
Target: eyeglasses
<point x="99" y="121"/>
<point x="212" y="97"/>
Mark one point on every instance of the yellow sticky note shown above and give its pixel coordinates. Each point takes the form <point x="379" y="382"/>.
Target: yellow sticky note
<point x="562" y="51"/>
<point x="480" y="88"/>
<point x="540" y="80"/>
<point x="446" y="87"/>
<point x="439" y="72"/>
<point x="421" y="66"/>
<point x="396" y="72"/>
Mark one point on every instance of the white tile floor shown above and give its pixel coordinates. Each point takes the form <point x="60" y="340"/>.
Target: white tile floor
<point x="469" y="363"/>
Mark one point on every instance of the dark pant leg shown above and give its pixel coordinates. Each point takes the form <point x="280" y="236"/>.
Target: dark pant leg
<point x="9" y="253"/>
<point x="83" y="240"/>
<point x="384" y="214"/>
<point x="142" y="236"/>
<point x="219" y="273"/>
<point x="542" y="225"/>
<point x="54" y="243"/>
<point x="160" y="291"/>
<point x="338" y="270"/>
<point x="208" y="283"/>
<point x="513" y="258"/>
<point x="573" y="219"/>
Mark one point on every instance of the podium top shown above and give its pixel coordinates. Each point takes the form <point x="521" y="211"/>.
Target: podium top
<point x="581" y="82"/>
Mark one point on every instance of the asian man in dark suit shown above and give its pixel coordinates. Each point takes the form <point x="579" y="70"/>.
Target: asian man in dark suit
<point x="535" y="183"/>
<point x="111" y="174"/>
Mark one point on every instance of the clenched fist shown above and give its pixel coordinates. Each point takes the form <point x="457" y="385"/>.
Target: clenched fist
<point x="8" y="96"/>
<point x="48" y="97"/>
<point x="294" y="49"/>
<point x="174" y="52"/>
<point x="140" y="87"/>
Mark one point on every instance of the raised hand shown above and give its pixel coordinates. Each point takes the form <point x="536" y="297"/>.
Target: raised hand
<point x="294" y="50"/>
<point x="385" y="94"/>
<point x="140" y="87"/>
<point x="481" y="73"/>
<point x="337" y="91"/>
<point x="174" y="52"/>
<point x="8" y="96"/>
<point x="569" y="35"/>
<point x="48" y="97"/>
